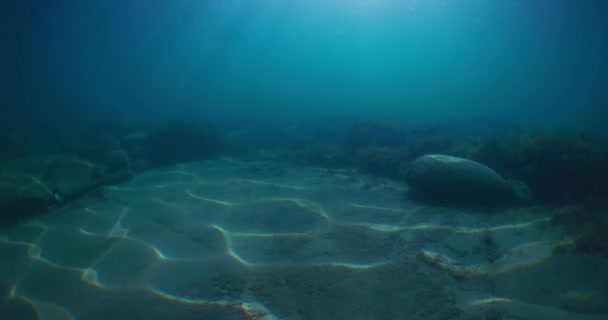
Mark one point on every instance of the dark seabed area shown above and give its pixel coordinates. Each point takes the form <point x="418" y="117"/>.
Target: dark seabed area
<point x="278" y="160"/>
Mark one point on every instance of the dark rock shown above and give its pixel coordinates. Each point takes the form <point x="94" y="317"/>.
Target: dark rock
<point x="22" y="195"/>
<point x="117" y="161"/>
<point x="380" y="150"/>
<point x="560" y="167"/>
<point x="452" y="180"/>
<point x="563" y="167"/>
<point x="97" y="147"/>
<point x="31" y="186"/>
<point x="141" y="165"/>
<point x="71" y="177"/>
<point x="134" y="144"/>
<point x="521" y="191"/>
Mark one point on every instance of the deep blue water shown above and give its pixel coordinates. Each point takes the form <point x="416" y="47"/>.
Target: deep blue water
<point x="242" y="61"/>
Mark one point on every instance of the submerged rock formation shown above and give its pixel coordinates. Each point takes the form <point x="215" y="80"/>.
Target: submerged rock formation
<point x="33" y="185"/>
<point x="22" y="195"/>
<point x="452" y="180"/>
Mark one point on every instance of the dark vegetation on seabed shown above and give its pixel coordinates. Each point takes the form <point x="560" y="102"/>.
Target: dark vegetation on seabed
<point x="566" y="171"/>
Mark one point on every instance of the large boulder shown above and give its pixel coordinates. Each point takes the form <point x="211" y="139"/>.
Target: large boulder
<point x="448" y="179"/>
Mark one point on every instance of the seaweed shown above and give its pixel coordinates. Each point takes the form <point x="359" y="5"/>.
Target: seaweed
<point x="559" y="166"/>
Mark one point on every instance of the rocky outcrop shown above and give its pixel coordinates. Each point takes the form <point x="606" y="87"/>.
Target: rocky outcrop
<point x="452" y="180"/>
<point x="118" y="161"/>
<point x="31" y="186"/>
<point x="70" y="177"/>
<point x="22" y="195"/>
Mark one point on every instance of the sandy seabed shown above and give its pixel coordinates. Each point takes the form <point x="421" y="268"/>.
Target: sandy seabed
<point x="264" y="240"/>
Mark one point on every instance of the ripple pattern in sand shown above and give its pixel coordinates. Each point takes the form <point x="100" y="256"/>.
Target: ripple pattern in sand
<point x="234" y="240"/>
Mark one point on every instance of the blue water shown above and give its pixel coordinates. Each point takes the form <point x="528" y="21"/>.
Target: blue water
<point x="523" y="61"/>
<point x="255" y="159"/>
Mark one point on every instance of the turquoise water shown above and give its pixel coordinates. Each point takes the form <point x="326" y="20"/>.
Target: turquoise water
<point x="525" y="61"/>
<point x="279" y="160"/>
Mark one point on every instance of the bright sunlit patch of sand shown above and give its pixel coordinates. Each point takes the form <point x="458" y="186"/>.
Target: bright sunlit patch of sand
<point x="269" y="235"/>
<point x="90" y="276"/>
<point x="228" y="238"/>
<point x="274" y="184"/>
<point x="375" y="207"/>
<point x="56" y="265"/>
<point x="223" y="203"/>
<point x="258" y="311"/>
<point x="456" y="229"/>
<point x="118" y="231"/>
<point x="48" y="311"/>
<point x="252" y="310"/>
<point x="305" y="204"/>
<point x="18" y="243"/>
<point x="348" y="265"/>
<point x="517" y="258"/>
<point x="503" y="227"/>
<point x="488" y="300"/>
<point x="91" y="211"/>
<point x="87" y="233"/>
<point x="233" y="254"/>
<point x="385" y="227"/>
<point x="187" y="300"/>
<point x="36" y="224"/>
